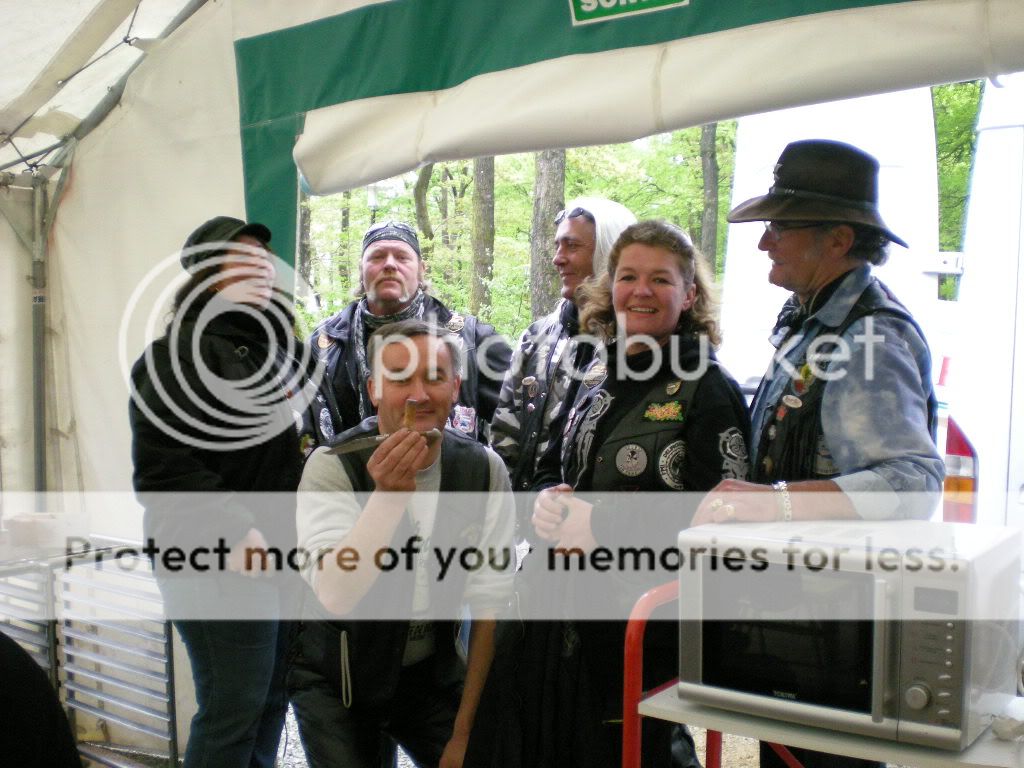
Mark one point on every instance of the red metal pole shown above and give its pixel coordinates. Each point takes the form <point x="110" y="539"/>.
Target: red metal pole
<point x="633" y="670"/>
<point x="713" y="749"/>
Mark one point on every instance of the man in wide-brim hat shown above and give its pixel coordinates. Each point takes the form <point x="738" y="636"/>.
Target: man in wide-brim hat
<point x="847" y="407"/>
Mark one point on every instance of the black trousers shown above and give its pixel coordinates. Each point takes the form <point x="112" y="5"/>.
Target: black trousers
<point x="420" y="717"/>
<point x="811" y="759"/>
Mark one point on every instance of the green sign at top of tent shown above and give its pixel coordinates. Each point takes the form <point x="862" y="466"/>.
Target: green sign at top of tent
<point x="587" y="11"/>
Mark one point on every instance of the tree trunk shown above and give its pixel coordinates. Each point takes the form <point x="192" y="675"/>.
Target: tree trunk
<point x="709" y="223"/>
<point x="419" y="195"/>
<point x="345" y="262"/>
<point x="483" y="234"/>
<point x="446" y="179"/>
<point x="305" y="263"/>
<point x="548" y="199"/>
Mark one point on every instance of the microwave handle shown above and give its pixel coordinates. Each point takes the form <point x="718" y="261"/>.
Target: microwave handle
<point x="878" y="651"/>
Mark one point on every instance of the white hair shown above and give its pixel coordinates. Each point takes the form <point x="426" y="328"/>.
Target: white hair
<point x="610" y="218"/>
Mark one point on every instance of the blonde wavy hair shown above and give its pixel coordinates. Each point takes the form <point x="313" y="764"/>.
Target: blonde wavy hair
<point x="594" y="296"/>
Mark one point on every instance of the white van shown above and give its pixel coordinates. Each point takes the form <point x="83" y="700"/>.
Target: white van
<point x="986" y="383"/>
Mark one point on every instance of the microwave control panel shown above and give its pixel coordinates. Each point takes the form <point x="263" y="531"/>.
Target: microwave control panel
<point x="932" y="672"/>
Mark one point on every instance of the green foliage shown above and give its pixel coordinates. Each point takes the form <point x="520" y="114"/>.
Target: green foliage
<point x="956" y="112"/>
<point x="656" y="177"/>
<point x="949" y="287"/>
<point x="659" y="177"/>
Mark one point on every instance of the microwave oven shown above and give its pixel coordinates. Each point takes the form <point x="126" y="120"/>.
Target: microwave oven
<point x="905" y="630"/>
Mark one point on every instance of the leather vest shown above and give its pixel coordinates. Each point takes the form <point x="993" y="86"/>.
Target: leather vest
<point x="641" y="453"/>
<point x="342" y="380"/>
<point x="374" y="648"/>
<point x="792" y="444"/>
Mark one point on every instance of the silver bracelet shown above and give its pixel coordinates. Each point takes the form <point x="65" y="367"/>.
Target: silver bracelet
<point x="785" y="502"/>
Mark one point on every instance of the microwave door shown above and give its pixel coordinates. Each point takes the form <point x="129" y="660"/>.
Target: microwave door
<point x="791" y="642"/>
<point x="881" y="658"/>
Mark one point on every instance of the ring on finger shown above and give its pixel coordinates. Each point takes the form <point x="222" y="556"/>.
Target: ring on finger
<point x="730" y="511"/>
<point x="716" y="504"/>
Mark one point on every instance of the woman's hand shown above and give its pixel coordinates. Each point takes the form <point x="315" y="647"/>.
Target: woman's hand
<point x="575" y="532"/>
<point x="549" y="509"/>
<point x="560" y="517"/>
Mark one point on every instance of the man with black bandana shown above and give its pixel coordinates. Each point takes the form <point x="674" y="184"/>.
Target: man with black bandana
<point x="392" y="287"/>
<point x="540" y="377"/>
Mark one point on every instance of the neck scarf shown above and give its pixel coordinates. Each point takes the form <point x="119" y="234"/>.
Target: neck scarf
<point x="364" y="322"/>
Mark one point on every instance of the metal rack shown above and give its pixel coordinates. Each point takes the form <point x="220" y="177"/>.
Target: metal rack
<point x="109" y="652"/>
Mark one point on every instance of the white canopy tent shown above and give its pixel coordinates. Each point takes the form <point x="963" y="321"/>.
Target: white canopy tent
<point x="217" y="117"/>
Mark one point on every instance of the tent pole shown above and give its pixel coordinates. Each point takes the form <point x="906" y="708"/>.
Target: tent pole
<point x="39" y="239"/>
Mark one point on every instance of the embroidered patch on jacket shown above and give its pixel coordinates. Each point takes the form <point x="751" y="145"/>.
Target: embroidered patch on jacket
<point x="631" y="460"/>
<point x="670" y="465"/>
<point x="733" y="448"/>
<point x="326" y="424"/>
<point x="670" y="411"/>
<point x="464" y="419"/>
<point x="824" y="464"/>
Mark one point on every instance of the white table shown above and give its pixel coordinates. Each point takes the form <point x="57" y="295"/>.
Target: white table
<point x="986" y="752"/>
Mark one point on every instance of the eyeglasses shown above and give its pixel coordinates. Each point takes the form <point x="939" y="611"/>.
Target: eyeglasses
<point x="562" y="215"/>
<point x="775" y="229"/>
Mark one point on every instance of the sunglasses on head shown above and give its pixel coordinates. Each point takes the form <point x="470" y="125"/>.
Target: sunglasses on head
<point x="563" y="214"/>
<point x="391" y="225"/>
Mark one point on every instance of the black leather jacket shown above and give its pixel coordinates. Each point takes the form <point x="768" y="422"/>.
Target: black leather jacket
<point x="337" y="407"/>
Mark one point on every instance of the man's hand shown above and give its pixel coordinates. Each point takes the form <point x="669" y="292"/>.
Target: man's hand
<point x="249" y="556"/>
<point x="454" y="751"/>
<point x="393" y="466"/>
<point x="734" y="501"/>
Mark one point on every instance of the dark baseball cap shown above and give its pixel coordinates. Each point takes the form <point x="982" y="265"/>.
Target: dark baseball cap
<point x="216" y="230"/>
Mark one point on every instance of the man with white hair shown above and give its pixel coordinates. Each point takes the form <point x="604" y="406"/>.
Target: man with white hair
<point x="548" y="353"/>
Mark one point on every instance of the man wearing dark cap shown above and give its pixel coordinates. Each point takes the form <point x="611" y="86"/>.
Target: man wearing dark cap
<point x="216" y="462"/>
<point x="392" y="287"/>
<point x="847" y="406"/>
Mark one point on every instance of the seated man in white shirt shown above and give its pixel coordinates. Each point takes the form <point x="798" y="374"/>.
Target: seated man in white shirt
<point x="397" y="554"/>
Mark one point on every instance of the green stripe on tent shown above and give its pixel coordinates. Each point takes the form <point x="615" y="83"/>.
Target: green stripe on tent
<point x="406" y="46"/>
<point x="272" y="180"/>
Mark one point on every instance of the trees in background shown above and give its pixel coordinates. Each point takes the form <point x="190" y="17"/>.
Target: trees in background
<point x="487" y="226"/>
<point x="548" y="200"/>
<point x="483" y="235"/>
<point x="956" y="115"/>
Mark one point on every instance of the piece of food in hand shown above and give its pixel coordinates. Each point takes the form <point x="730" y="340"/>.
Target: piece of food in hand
<point x="372" y="441"/>
<point x="409" y="418"/>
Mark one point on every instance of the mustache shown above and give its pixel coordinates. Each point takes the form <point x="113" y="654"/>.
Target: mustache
<point x="407" y="292"/>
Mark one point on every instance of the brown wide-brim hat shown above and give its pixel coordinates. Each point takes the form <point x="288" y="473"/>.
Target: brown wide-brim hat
<point x="820" y="180"/>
